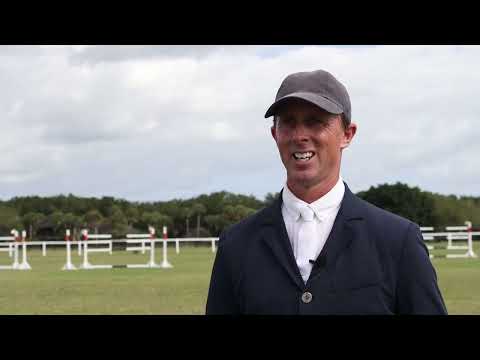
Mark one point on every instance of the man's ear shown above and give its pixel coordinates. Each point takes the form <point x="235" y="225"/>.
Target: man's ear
<point x="273" y="130"/>
<point x="349" y="133"/>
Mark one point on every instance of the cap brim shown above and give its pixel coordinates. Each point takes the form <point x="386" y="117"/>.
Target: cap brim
<point x="314" y="99"/>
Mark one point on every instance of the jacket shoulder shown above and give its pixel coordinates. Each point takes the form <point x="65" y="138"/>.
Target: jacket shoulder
<point x="236" y="241"/>
<point x="247" y="227"/>
<point x="390" y="232"/>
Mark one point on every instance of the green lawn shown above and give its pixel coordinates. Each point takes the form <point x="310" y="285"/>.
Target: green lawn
<point x="459" y="281"/>
<point x="46" y="289"/>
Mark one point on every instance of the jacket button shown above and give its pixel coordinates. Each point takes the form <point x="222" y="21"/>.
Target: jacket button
<point x="307" y="297"/>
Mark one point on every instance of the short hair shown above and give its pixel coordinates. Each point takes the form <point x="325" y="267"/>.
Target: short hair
<point x="345" y="121"/>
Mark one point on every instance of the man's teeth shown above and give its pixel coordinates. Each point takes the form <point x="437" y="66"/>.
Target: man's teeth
<point x="303" y="155"/>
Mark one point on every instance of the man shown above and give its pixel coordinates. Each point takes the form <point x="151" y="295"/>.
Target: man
<point x="319" y="249"/>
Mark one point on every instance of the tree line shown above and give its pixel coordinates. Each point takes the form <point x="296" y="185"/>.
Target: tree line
<point x="424" y="207"/>
<point x="202" y="216"/>
<point x="208" y="214"/>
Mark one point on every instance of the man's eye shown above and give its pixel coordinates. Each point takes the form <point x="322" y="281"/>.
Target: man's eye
<point x="315" y="121"/>
<point x="288" y="121"/>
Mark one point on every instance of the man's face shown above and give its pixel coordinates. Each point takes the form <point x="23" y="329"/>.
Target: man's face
<point x="310" y="142"/>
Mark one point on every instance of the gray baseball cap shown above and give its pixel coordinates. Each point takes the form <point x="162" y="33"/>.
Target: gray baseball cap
<point x="319" y="88"/>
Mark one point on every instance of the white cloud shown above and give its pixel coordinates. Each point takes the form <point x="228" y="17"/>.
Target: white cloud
<point x="155" y="123"/>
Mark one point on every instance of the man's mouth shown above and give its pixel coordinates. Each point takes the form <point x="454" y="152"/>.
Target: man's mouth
<point x="303" y="156"/>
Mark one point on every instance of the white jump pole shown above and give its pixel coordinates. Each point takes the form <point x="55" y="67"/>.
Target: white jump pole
<point x="85" y="264"/>
<point x="177" y="246"/>
<point x="68" y="265"/>
<point x="213" y="245"/>
<point x="470" y="252"/>
<point x="24" y="265"/>
<point x="165" y="263"/>
<point x="449" y="239"/>
<point x="44" y="249"/>
<point x="15" y="256"/>
<point x="80" y="245"/>
<point x="151" y="230"/>
<point x="15" y="249"/>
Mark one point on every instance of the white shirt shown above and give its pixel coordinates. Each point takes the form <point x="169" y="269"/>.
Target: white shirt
<point x="325" y="209"/>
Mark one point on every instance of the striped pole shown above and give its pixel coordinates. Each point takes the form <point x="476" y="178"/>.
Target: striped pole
<point x="86" y="264"/>
<point x="470" y="252"/>
<point x="68" y="265"/>
<point x="151" y="230"/>
<point x="83" y="236"/>
<point x="165" y="263"/>
<point x="15" y="252"/>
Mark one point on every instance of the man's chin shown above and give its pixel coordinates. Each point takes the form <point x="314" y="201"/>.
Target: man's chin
<point x="303" y="181"/>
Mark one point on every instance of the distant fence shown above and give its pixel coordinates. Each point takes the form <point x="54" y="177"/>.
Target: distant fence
<point x="453" y="235"/>
<point x="89" y="243"/>
<point x="89" y="246"/>
<point x="464" y="234"/>
<point x="144" y="244"/>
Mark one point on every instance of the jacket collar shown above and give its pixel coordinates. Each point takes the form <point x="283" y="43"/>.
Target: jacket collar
<point x="320" y="207"/>
<point x="275" y="234"/>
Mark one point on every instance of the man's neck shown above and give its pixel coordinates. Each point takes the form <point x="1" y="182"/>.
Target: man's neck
<point x="309" y="194"/>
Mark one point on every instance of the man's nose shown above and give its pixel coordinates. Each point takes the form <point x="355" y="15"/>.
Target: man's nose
<point x="300" y="132"/>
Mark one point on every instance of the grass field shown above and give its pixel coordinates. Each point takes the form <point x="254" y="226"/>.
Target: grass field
<point x="182" y="290"/>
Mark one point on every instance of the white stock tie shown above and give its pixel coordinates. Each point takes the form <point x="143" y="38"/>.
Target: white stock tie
<point x="307" y="242"/>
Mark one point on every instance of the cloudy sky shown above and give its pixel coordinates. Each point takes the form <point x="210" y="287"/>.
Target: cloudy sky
<point x="161" y="122"/>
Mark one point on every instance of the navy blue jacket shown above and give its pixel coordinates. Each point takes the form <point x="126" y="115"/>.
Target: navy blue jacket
<point x="373" y="262"/>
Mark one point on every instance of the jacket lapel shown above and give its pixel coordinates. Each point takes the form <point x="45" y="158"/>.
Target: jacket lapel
<point x="342" y="232"/>
<point x="275" y="235"/>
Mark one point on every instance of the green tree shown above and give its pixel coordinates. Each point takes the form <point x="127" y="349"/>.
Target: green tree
<point x="409" y="202"/>
<point x="118" y="220"/>
<point x="93" y="218"/>
<point x="187" y="214"/>
<point x="33" y="218"/>
<point x="57" y="220"/>
<point x="270" y="198"/>
<point x="216" y="223"/>
<point x="71" y="220"/>
<point x="32" y="221"/>
<point x="198" y="209"/>
<point x="157" y="220"/>
<point x="234" y="214"/>
<point x="9" y="219"/>
<point x="105" y="205"/>
<point x="132" y="214"/>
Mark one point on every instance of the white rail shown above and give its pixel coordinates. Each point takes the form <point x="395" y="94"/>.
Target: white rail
<point x="452" y="233"/>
